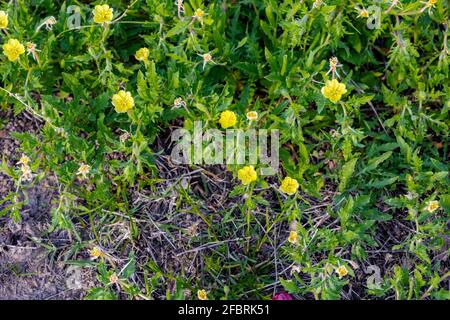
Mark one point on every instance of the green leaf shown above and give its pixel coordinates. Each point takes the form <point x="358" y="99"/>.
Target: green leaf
<point x="374" y="163"/>
<point x="346" y="173"/>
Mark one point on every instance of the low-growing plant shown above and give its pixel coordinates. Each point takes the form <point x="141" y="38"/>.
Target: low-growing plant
<point x="359" y="91"/>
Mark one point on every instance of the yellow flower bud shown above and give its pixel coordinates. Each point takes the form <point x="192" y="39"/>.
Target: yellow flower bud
<point x="202" y="295"/>
<point x="252" y="116"/>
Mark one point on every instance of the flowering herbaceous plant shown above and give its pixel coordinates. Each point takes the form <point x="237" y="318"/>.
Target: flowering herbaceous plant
<point x="313" y="138"/>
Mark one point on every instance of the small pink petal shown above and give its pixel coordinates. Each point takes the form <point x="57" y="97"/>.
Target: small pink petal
<point x="282" y="296"/>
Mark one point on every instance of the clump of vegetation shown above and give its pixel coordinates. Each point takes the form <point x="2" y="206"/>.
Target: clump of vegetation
<point x="359" y="91"/>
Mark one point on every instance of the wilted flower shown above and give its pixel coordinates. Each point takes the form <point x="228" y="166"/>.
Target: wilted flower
<point x="293" y="237"/>
<point x="123" y="101"/>
<point x="48" y="23"/>
<point x="334" y="64"/>
<point x="395" y="3"/>
<point x="433" y="206"/>
<point x="24" y="160"/>
<point x="26" y="173"/>
<point x="333" y="90"/>
<point x="227" y="119"/>
<point x="247" y="175"/>
<point x="178" y="102"/>
<point x="202" y="294"/>
<point x="317" y="3"/>
<point x="83" y="171"/>
<point x="142" y="54"/>
<point x="96" y="253"/>
<point x="31" y="49"/>
<point x="13" y="49"/>
<point x="428" y="5"/>
<point x="342" y="271"/>
<point x="3" y="20"/>
<point x="252" y="116"/>
<point x="207" y="58"/>
<point x="113" y="278"/>
<point x="124" y="137"/>
<point x="289" y="186"/>
<point x="103" y="13"/>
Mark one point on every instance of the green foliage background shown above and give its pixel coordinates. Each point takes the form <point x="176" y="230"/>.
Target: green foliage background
<point x="382" y="150"/>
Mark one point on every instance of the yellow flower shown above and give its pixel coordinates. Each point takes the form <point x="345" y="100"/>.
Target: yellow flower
<point x="430" y="3"/>
<point x="202" y="295"/>
<point x="227" y="119"/>
<point x="83" y="170"/>
<point x="122" y="101"/>
<point x="342" y="271"/>
<point x="24" y="160"/>
<point x="293" y="237"/>
<point x="3" y="20"/>
<point x="13" y="49"/>
<point x="103" y="13"/>
<point x="363" y="13"/>
<point x="252" y="116"/>
<point x="247" y="175"/>
<point x="333" y="90"/>
<point x="199" y="13"/>
<point x="142" y="54"/>
<point x="96" y="253"/>
<point x="433" y="206"/>
<point x="289" y="186"/>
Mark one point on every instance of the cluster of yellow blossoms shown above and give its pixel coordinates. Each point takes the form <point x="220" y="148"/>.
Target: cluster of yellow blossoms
<point x="228" y="118"/>
<point x="248" y="175"/>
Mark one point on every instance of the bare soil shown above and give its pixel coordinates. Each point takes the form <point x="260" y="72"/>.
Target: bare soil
<point x="32" y="260"/>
